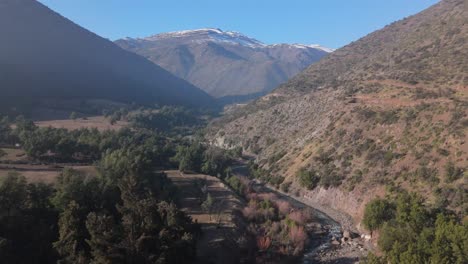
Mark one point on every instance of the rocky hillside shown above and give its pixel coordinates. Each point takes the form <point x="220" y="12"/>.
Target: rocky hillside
<point x="387" y="111"/>
<point x="225" y="63"/>
<point x="45" y="56"/>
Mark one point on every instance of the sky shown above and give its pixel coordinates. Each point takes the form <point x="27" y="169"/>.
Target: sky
<point x="330" y="23"/>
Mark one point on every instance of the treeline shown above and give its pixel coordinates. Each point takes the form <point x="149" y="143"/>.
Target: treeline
<point x="124" y="214"/>
<point x="85" y="145"/>
<point x="211" y="160"/>
<point x="410" y="232"/>
<point x="175" y="120"/>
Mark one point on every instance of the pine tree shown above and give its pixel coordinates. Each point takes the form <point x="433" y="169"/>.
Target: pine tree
<point x="105" y="239"/>
<point x="140" y="221"/>
<point x="13" y="194"/>
<point x="71" y="245"/>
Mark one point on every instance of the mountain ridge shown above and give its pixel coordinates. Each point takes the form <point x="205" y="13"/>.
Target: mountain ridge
<point x="225" y="63"/>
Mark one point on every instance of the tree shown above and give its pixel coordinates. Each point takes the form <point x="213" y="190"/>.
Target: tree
<point x="450" y="242"/>
<point x="190" y="158"/>
<point x="216" y="162"/>
<point x="71" y="245"/>
<point x="73" y="116"/>
<point x="207" y="205"/>
<point x="105" y="238"/>
<point x="5" y="130"/>
<point x="153" y="232"/>
<point x="72" y="185"/>
<point x="376" y="213"/>
<point x="140" y="222"/>
<point x="13" y="193"/>
<point x="372" y="259"/>
<point x="308" y="178"/>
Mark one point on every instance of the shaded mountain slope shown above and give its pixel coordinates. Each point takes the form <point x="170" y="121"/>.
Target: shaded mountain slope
<point x="44" y="55"/>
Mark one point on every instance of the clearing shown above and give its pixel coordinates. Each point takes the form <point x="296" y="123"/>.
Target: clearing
<point x="222" y="226"/>
<point x="101" y="123"/>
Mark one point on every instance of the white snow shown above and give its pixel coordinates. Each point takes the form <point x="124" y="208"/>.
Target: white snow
<point x="228" y="37"/>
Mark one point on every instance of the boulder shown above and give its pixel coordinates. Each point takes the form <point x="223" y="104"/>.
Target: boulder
<point x="347" y="234"/>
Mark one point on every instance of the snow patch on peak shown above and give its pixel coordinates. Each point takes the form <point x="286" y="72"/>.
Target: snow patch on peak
<point x="317" y="46"/>
<point x="302" y="46"/>
<point x="209" y="34"/>
<point x="226" y="37"/>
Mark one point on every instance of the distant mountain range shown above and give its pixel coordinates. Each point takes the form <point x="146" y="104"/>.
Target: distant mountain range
<point x="45" y="56"/>
<point x="225" y="63"/>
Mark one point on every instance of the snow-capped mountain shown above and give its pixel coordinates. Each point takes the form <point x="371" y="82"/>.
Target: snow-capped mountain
<point x="225" y="63"/>
<point x="210" y="34"/>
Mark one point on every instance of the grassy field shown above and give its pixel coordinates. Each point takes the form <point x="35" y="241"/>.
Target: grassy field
<point x="99" y="122"/>
<point x="13" y="155"/>
<point x="40" y="173"/>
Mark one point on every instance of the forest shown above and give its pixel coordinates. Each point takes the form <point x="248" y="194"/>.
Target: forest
<point x="124" y="213"/>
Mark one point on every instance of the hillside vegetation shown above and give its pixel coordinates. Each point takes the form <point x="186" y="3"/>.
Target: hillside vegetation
<point x="387" y="111"/>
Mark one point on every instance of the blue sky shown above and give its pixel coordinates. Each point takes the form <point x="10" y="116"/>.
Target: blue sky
<point x="331" y="23"/>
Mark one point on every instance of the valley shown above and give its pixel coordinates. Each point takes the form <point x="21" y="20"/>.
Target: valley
<point x="222" y="223"/>
<point x="211" y="146"/>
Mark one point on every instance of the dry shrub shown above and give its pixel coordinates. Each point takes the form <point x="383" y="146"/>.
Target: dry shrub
<point x="275" y="229"/>
<point x="298" y="237"/>
<point x="263" y="243"/>
<point x="267" y="196"/>
<point x="284" y="207"/>
<point x="252" y="196"/>
<point x="300" y="216"/>
<point x="250" y="213"/>
<point x="297" y="217"/>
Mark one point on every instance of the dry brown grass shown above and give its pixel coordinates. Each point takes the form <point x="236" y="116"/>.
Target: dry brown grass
<point x="13" y="155"/>
<point x="41" y="173"/>
<point x="99" y="122"/>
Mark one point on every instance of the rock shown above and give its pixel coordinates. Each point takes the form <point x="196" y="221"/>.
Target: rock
<point x="346" y="234"/>
<point x="335" y="243"/>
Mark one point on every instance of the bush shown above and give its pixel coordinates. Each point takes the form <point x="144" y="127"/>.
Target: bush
<point x="235" y="184"/>
<point x="376" y="213"/>
<point x="308" y="178"/>
<point x="285" y="186"/>
<point x="452" y="173"/>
